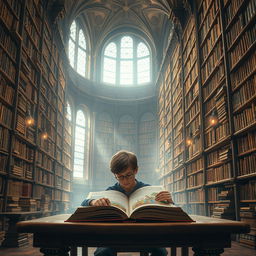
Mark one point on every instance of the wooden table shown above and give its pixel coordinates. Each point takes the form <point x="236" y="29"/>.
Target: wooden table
<point x="12" y="237"/>
<point x="206" y="235"/>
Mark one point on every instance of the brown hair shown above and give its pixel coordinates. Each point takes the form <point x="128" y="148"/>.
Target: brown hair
<point x="122" y="160"/>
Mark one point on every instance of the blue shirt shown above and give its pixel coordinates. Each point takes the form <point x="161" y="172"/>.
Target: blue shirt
<point x="117" y="187"/>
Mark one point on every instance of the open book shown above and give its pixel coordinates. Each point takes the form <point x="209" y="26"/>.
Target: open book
<point x="140" y="205"/>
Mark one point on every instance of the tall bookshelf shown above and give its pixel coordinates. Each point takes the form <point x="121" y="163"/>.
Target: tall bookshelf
<point x="171" y="132"/>
<point x="147" y="147"/>
<point x="126" y="134"/>
<point x="194" y="162"/>
<point x="104" y="149"/>
<point x="35" y="175"/>
<point x="219" y="94"/>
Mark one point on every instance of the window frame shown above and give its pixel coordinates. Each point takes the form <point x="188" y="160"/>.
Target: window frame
<point x="78" y="47"/>
<point x="86" y="153"/>
<point x="137" y="39"/>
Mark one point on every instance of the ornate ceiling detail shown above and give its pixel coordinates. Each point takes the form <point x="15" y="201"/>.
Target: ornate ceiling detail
<point x="103" y="17"/>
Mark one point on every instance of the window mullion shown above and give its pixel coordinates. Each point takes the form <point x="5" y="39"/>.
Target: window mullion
<point x="76" y="47"/>
<point x="118" y="62"/>
<point x="135" y="68"/>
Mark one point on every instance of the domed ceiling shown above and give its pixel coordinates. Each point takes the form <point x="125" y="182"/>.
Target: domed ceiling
<point x="102" y="17"/>
<point x="152" y="19"/>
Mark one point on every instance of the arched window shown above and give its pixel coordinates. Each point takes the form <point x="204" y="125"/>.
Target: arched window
<point x="126" y="61"/>
<point x="77" y="49"/>
<point x="67" y="142"/>
<point x="68" y="112"/>
<point x="81" y="149"/>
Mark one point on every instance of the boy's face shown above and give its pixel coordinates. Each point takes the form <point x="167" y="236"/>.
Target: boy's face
<point x="127" y="178"/>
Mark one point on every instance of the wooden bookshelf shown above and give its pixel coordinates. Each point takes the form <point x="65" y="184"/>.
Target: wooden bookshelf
<point x="218" y="67"/>
<point x="147" y="147"/>
<point x="35" y="175"/>
<point x="104" y="149"/>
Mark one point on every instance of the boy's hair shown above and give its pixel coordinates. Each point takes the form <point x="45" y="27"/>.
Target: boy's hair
<point x="122" y="160"/>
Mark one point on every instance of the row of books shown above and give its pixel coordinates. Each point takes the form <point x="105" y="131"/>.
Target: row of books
<point x="216" y="134"/>
<point x="248" y="215"/>
<point x="196" y="196"/>
<point x="219" y="173"/>
<point x="195" y="148"/>
<point x="6" y="90"/>
<point x="245" y="93"/>
<point x="211" y="39"/>
<point x="195" y="179"/>
<point x="246" y="143"/>
<point x="245" y="118"/>
<point x="243" y="45"/>
<point x="195" y="166"/>
<point x="217" y="156"/>
<point x="232" y="9"/>
<point x="7" y="65"/>
<point x="244" y="71"/>
<point x="23" y="150"/>
<point x="8" y="17"/>
<point x="248" y="190"/>
<point x="191" y="95"/>
<point x="4" y="138"/>
<point x="246" y="165"/>
<point x="5" y="115"/>
<point x="212" y="61"/>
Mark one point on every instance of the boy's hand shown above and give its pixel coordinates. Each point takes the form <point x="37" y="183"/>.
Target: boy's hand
<point x="100" y="202"/>
<point x="164" y="196"/>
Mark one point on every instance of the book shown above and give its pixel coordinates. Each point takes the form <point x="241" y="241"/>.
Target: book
<point x="140" y="205"/>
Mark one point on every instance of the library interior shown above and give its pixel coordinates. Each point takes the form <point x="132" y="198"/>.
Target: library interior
<point x="172" y="81"/>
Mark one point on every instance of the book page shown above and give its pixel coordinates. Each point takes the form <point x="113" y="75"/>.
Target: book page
<point x="116" y="198"/>
<point x="145" y="196"/>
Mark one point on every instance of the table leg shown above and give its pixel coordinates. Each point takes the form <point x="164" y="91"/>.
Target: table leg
<point x="55" y="251"/>
<point x="207" y="252"/>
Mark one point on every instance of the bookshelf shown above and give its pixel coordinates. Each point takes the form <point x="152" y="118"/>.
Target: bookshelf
<point x="217" y="109"/>
<point x="147" y="147"/>
<point x="104" y="149"/>
<point x="35" y="174"/>
<point x="126" y="134"/>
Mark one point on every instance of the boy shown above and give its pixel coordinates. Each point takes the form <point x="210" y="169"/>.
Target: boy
<point x="124" y="167"/>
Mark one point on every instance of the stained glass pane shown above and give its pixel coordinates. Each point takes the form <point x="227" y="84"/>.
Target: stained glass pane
<point x="126" y="47"/>
<point x="111" y="50"/>
<point x="68" y="113"/>
<point x="82" y="42"/>
<point x="81" y="61"/>
<point x="73" y="30"/>
<point x="126" y="72"/>
<point x="71" y="52"/>
<point x="80" y="118"/>
<point x="79" y="145"/>
<point x="109" y="74"/>
<point x="143" y="70"/>
<point x="142" y="50"/>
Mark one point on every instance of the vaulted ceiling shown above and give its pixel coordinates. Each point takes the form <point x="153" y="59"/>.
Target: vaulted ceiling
<point x="101" y="18"/>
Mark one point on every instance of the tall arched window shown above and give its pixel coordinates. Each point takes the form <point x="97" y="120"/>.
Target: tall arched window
<point x="126" y="61"/>
<point x="81" y="149"/>
<point x="67" y="142"/>
<point x="77" y="49"/>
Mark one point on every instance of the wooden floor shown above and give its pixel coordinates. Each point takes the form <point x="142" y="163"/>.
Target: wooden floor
<point x="235" y="250"/>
